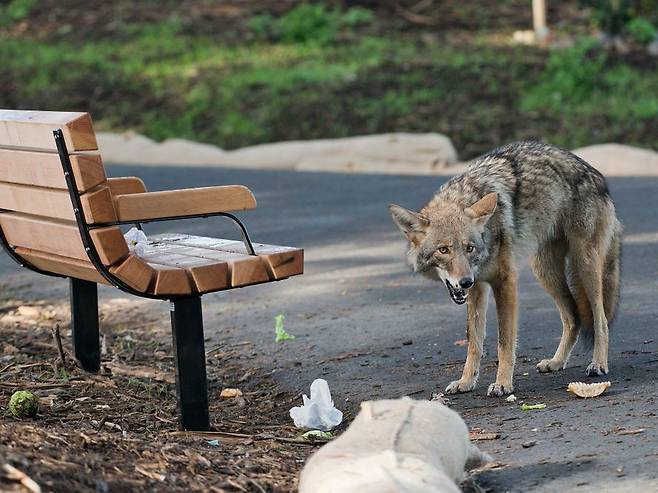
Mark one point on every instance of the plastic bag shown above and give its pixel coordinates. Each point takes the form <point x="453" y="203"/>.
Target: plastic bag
<point x="136" y="240"/>
<point x="318" y="412"/>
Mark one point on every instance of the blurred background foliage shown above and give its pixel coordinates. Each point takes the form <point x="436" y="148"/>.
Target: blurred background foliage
<point x="241" y="72"/>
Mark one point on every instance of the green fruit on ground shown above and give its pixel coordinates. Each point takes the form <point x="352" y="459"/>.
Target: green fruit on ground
<point x="23" y="404"/>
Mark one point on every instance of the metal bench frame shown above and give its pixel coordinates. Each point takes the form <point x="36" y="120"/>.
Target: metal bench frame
<point x="186" y="312"/>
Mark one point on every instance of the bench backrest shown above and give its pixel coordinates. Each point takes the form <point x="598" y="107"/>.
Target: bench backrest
<point x="36" y="214"/>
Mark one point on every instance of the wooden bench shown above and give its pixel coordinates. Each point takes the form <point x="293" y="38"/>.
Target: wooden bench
<point x="61" y="216"/>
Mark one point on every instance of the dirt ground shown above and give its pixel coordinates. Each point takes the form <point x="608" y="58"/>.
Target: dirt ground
<point x="117" y="431"/>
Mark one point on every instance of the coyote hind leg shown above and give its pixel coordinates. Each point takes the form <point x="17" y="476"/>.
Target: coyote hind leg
<point x="550" y="268"/>
<point x="588" y="266"/>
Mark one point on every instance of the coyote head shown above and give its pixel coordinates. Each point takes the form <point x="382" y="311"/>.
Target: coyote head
<point x="445" y="241"/>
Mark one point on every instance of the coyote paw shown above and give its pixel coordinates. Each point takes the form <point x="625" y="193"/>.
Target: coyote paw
<point x="460" y="386"/>
<point x="596" y="369"/>
<point x="546" y="365"/>
<point x="500" y="389"/>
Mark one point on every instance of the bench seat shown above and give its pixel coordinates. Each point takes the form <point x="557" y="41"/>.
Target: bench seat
<point x="179" y="264"/>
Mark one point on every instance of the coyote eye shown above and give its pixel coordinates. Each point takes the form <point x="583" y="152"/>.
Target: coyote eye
<point x="470" y="248"/>
<point x="443" y="250"/>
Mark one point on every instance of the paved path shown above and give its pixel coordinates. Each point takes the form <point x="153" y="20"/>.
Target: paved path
<point x="374" y="330"/>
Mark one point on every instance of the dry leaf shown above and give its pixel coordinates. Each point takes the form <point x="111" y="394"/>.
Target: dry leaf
<point x="230" y="393"/>
<point x="477" y="434"/>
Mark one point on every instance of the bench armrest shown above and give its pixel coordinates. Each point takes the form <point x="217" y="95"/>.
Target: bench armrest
<point x="182" y="203"/>
<point x="123" y="185"/>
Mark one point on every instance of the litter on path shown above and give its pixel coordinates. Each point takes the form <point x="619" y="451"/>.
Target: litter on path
<point x="318" y="411"/>
<point x="586" y="390"/>
<point x="533" y="407"/>
<point x="279" y="332"/>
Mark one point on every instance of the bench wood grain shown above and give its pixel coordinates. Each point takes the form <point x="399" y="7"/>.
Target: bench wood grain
<point x="124" y="185"/>
<point x="207" y="275"/>
<point x="280" y="261"/>
<point x="242" y="269"/>
<point x="134" y="272"/>
<point x="62" y="237"/>
<point x="48" y="202"/>
<point x="192" y="201"/>
<point x="45" y="170"/>
<point x="65" y="266"/>
<point x="34" y="130"/>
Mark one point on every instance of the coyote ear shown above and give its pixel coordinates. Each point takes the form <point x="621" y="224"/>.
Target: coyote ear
<point x="410" y="223"/>
<point x="482" y="210"/>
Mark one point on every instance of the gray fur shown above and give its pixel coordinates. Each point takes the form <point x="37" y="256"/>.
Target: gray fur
<point x="549" y="204"/>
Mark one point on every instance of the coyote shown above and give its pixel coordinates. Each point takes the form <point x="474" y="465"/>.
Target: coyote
<point x="524" y="197"/>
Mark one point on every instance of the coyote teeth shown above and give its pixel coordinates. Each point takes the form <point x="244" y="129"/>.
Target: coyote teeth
<point x="586" y="390"/>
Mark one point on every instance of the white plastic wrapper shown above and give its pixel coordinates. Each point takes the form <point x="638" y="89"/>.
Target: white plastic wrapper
<point x="136" y="241"/>
<point x="318" y="412"/>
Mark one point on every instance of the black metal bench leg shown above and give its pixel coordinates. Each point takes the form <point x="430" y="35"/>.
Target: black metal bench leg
<point x="190" y="356"/>
<point x="84" y="322"/>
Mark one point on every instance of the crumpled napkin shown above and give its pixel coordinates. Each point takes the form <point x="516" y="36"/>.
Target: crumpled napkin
<point x="318" y="412"/>
<point x="136" y="240"/>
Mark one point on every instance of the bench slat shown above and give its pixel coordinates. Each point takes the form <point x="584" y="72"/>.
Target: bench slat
<point x="207" y="275"/>
<point x="242" y="269"/>
<point x="45" y="170"/>
<point x="62" y="237"/>
<point x="170" y="281"/>
<point x="280" y="261"/>
<point x="207" y="200"/>
<point x="134" y="272"/>
<point x="49" y="202"/>
<point x="34" y="130"/>
<point x="61" y="265"/>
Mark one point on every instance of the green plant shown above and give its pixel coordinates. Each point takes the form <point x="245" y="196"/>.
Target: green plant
<point x="62" y="374"/>
<point x="263" y="26"/>
<point x="642" y="30"/>
<point x="612" y="16"/>
<point x="571" y="74"/>
<point x="309" y="23"/>
<point x="357" y="16"/>
<point x="15" y="11"/>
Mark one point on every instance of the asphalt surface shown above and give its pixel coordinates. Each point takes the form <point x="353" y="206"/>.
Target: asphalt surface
<point x="374" y="330"/>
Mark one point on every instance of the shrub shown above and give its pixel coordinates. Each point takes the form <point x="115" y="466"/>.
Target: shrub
<point x="642" y="30"/>
<point x="614" y="16"/>
<point x="15" y="11"/>
<point x="309" y="23"/>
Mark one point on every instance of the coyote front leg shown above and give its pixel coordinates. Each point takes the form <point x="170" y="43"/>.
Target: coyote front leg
<point x="505" y="293"/>
<point x="476" y="322"/>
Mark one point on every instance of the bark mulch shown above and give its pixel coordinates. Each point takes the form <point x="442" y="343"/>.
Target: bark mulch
<point x="117" y="431"/>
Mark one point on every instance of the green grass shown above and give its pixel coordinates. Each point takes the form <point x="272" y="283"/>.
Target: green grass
<point x="326" y="73"/>
<point x="15" y="10"/>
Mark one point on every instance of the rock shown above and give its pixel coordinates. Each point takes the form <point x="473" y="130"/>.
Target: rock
<point x="30" y="312"/>
<point x="652" y="48"/>
<point x="399" y="445"/>
<point x="620" y="160"/>
<point x="524" y="37"/>
<point x="385" y="153"/>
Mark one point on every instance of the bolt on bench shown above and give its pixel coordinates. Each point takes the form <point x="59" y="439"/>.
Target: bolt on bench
<point x="60" y="216"/>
